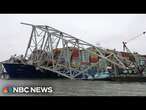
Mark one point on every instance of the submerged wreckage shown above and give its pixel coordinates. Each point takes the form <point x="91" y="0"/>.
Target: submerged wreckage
<point x="54" y="54"/>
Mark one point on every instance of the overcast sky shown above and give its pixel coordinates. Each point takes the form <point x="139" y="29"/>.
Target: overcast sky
<point x="109" y="30"/>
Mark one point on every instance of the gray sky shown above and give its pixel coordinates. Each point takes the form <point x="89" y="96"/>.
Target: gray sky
<point x="109" y="30"/>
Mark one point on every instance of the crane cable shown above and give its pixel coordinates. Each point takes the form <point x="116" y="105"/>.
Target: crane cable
<point x="136" y="36"/>
<point x="133" y="39"/>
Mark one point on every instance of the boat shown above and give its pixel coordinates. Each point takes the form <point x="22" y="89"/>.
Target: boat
<point x="54" y="54"/>
<point x="27" y="71"/>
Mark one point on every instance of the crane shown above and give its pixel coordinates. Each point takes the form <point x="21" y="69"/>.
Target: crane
<point x="138" y="68"/>
<point x="133" y="38"/>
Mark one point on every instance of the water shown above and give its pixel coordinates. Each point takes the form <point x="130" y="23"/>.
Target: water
<point x="82" y="88"/>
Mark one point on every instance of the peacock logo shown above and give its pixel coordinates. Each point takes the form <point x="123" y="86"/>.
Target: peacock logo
<point x="7" y="89"/>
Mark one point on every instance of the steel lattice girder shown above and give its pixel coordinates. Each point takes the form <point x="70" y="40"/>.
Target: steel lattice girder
<point x="47" y="42"/>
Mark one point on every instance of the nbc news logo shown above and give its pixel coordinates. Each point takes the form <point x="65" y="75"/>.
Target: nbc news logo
<point x="12" y="90"/>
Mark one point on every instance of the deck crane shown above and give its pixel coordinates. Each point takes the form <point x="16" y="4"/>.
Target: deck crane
<point x="137" y="67"/>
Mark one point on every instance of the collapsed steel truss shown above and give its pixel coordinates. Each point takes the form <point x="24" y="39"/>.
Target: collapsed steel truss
<point x="44" y="39"/>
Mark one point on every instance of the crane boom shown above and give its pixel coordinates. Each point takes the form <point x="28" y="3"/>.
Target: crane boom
<point x="143" y="33"/>
<point x="125" y="47"/>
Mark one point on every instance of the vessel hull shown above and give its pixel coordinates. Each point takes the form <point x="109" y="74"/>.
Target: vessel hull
<point x="28" y="71"/>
